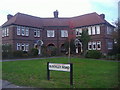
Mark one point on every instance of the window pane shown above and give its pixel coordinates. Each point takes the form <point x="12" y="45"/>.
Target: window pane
<point x="35" y="33"/>
<point x="27" y="47"/>
<point x="90" y="46"/>
<point x="110" y="45"/>
<point x="93" y="30"/>
<point x="94" y="45"/>
<point x="27" y="31"/>
<point x="7" y="31"/>
<point x="64" y="33"/>
<point x="50" y="33"/>
<point x="38" y="33"/>
<point x="89" y="30"/>
<point x="97" y="29"/>
<point x="98" y="45"/>
<point x="3" y="32"/>
<point x="23" y="31"/>
<point x="18" y="30"/>
<point x="18" y="46"/>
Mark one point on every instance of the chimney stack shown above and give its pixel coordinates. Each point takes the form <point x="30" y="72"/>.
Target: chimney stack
<point x="55" y="14"/>
<point x="102" y="16"/>
<point x="9" y="16"/>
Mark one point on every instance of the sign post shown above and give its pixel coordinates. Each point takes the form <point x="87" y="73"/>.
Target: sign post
<point x="60" y="67"/>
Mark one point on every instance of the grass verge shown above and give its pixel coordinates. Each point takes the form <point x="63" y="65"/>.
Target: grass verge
<point x="88" y="73"/>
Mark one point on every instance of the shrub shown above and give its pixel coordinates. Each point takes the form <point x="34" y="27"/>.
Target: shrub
<point x="18" y="53"/>
<point x="118" y="57"/>
<point x="93" y="54"/>
<point x="34" y="52"/>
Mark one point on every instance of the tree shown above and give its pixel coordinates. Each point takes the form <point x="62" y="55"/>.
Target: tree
<point x="72" y="46"/>
<point x="84" y="38"/>
<point x="116" y="37"/>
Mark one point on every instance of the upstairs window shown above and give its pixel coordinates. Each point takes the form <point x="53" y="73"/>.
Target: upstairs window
<point x="3" y="32"/>
<point x="64" y="33"/>
<point x="109" y="30"/>
<point x="36" y="33"/>
<point x="18" y="30"/>
<point x="93" y="30"/>
<point x="27" y="31"/>
<point x="97" y="29"/>
<point x="7" y="31"/>
<point x="23" y="31"/>
<point x="89" y="31"/>
<point x="50" y="33"/>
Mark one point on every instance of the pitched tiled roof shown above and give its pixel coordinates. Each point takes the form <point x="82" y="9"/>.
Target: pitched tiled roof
<point x="87" y="19"/>
<point x="78" y="21"/>
<point x="55" y="21"/>
<point x="24" y="19"/>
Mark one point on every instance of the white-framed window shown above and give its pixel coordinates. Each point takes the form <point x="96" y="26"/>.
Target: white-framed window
<point x="27" y="47"/>
<point x="89" y="31"/>
<point x="23" y="47"/>
<point x="93" y="30"/>
<point x="98" y="45"/>
<point x="18" y="30"/>
<point x="64" y="33"/>
<point x="7" y="31"/>
<point x="109" y="30"/>
<point x="97" y="29"/>
<point x="36" y="33"/>
<point x="94" y="45"/>
<point x="23" y="31"/>
<point x="50" y="33"/>
<point x="27" y="31"/>
<point x="90" y="46"/>
<point x="18" y="46"/>
<point x="3" y="32"/>
<point x="110" y="45"/>
<point x="77" y="32"/>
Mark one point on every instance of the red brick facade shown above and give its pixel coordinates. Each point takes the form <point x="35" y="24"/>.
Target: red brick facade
<point x="57" y="24"/>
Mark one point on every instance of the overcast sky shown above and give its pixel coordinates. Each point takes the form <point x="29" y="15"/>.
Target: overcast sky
<point x="66" y="8"/>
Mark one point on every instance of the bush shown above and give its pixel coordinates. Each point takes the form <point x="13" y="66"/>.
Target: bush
<point x="118" y="57"/>
<point x="34" y="52"/>
<point x="93" y="54"/>
<point x="18" y="53"/>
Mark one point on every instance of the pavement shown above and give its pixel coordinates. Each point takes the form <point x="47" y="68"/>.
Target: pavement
<point x="6" y="84"/>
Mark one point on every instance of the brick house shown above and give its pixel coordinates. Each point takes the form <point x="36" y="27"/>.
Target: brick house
<point x="22" y="31"/>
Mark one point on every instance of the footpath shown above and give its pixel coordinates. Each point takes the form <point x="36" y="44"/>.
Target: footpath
<point x="6" y="84"/>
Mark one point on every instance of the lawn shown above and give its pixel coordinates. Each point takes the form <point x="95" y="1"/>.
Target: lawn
<point x="87" y="73"/>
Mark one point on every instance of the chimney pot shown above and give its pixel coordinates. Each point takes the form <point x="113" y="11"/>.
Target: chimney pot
<point x="55" y="14"/>
<point x="102" y="16"/>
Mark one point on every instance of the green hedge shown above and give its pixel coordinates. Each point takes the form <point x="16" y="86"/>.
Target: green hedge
<point x="93" y="54"/>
